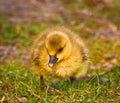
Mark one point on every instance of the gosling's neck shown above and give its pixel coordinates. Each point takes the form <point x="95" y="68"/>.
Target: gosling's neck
<point x="68" y="51"/>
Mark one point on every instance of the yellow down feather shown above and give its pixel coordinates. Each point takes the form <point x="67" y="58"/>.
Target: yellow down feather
<point x="72" y="58"/>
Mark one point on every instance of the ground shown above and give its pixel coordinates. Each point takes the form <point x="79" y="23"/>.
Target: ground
<point x="97" y="23"/>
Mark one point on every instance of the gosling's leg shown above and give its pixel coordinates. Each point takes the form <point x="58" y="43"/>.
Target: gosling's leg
<point x="43" y="86"/>
<point x="72" y="80"/>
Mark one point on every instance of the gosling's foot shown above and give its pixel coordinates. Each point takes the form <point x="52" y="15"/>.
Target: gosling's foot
<point x="43" y="87"/>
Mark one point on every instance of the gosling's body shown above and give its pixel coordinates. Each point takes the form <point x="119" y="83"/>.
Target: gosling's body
<point x="69" y="49"/>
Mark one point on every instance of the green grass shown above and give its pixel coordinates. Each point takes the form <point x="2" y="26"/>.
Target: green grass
<point x="11" y="34"/>
<point x="16" y="83"/>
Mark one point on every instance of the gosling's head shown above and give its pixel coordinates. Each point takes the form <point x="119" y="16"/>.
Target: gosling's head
<point x="58" y="46"/>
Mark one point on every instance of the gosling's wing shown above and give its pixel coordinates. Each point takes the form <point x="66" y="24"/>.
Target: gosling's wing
<point x="38" y="46"/>
<point x="83" y="49"/>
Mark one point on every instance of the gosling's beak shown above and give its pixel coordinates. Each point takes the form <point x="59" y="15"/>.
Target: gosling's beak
<point x="52" y="60"/>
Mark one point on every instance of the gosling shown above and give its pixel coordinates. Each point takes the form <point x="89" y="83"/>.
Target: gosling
<point x="60" y="53"/>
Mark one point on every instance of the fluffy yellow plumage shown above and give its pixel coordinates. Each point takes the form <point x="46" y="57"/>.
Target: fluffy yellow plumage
<point x="60" y="53"/>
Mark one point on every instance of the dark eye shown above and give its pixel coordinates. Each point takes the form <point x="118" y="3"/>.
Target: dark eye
<point x="60" y="49"/>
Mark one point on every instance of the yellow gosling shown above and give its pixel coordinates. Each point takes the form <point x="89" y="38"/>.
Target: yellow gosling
<point x="60" y="53"/>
